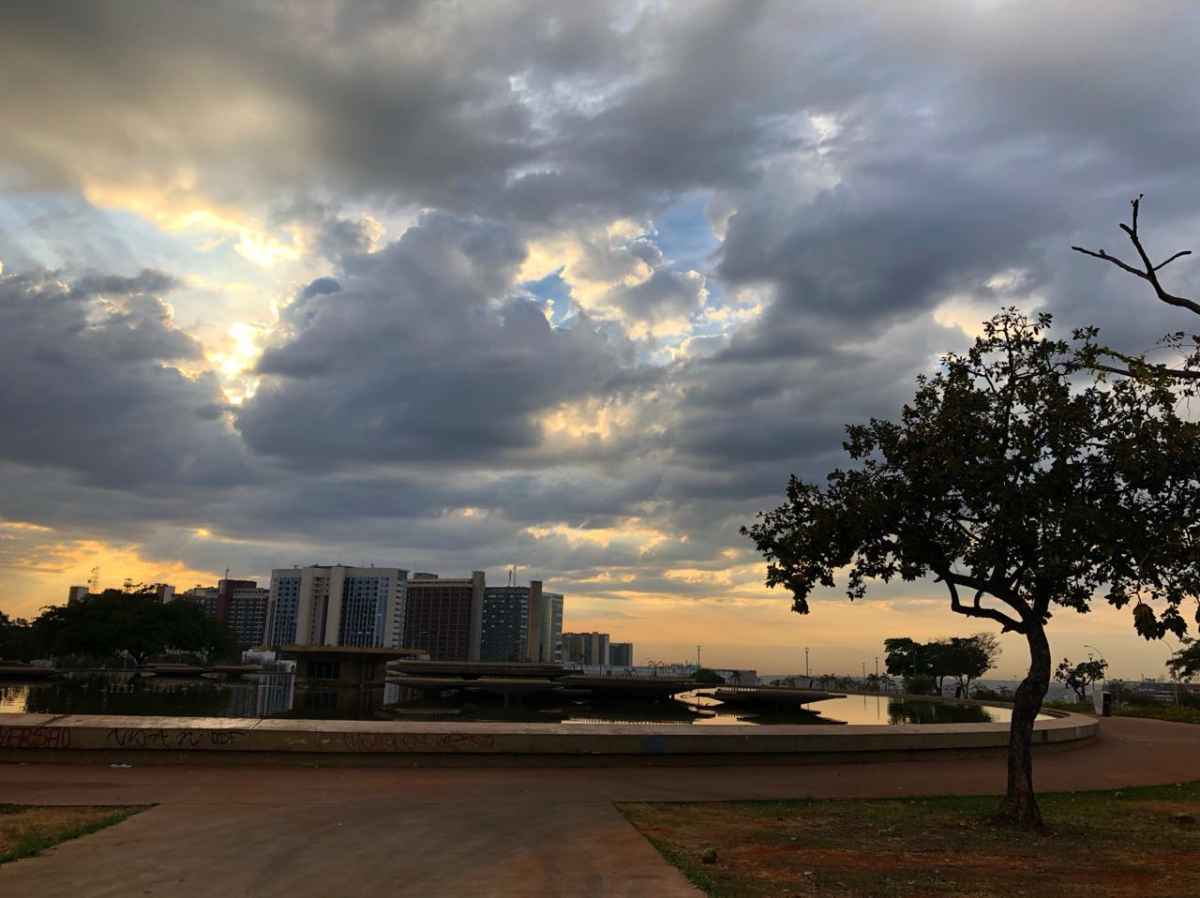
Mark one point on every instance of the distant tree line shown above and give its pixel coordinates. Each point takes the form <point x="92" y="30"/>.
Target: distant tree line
<point x="115" y="624"/>
<point x="925" y="666"/>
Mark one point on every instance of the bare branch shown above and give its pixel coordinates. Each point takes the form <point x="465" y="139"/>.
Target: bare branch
<point x="1182" y="252"/>
<point x="1101" y="254"/>
<point x="1149" y="269"/>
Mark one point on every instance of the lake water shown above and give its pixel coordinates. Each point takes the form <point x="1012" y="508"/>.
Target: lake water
<point x="276" y="696"/>
<point x="861" y="710"/>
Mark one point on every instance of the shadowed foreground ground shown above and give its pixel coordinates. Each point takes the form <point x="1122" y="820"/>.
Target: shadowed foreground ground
<point x="448" y="832"/>
<point x="1132" y="842"/>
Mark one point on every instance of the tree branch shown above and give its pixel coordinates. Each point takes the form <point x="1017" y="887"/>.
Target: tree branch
<point x="975" y="609"/>
<point x="1182" y="252"/>
<point x="1149" y="270"/>
<point x="1181" y="373"/>
<point x="1101" y="254"/>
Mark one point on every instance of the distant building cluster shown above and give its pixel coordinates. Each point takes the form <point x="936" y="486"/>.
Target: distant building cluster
<point x="447" y="618"/>
<point x="596" y="650"/>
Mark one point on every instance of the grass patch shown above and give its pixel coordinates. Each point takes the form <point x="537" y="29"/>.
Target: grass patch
<point x="1077" y="707"/>
<point x="1131" y="842"/>
<point x="1172" y="713"/>
<point x="27" y="830"/>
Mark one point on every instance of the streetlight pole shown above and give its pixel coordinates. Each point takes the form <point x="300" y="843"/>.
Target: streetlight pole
<point x="806" y="668"/>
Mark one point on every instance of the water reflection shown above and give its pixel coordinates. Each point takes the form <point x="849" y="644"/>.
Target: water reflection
<point x="260" y="695"/>
<point x="855" y="710"/>
<point x="276" y="695"/>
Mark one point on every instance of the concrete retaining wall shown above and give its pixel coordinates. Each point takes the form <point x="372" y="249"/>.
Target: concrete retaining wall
<point x="39" y="736"/>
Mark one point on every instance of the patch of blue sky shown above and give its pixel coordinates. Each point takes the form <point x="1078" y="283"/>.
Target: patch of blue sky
<point x="62" y="231"/>
<point x="684" y="234"/>
<point x="553" y="289"/>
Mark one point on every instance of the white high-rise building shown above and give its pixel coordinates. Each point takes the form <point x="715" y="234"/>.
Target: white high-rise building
<point x="337" y="605"/>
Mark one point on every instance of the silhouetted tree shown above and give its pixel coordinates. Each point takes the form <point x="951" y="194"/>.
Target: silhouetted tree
<point x="17" y="639"/>
<point x="134" y="622"/>
<point x="1185" y="663"/>
<point x="708" y="677"/>
<point x="904" y="657"/>
<point x="1078" y="677"/>
<point x="925" y="665"/>
<point x="1018" y="488"/>
<point x="970" y="657"/>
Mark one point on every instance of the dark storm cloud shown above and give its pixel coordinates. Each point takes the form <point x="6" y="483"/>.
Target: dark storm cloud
<point x="424" y="353"/>
<point x="148" y="281"/>
<point x="90" y="385"/>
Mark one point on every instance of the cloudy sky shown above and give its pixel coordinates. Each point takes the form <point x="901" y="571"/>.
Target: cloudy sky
<point x="566" y="286"/>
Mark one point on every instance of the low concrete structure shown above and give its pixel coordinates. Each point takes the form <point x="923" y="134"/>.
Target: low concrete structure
<point x="105" y="738"/>
<point x="768" y="696"/>
<point x="629" y="687"/>
<point x="344" y="665"/>
<point x="474" y="669"/>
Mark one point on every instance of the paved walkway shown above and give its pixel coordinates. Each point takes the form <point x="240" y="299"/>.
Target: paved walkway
<point x="233" y="832"/>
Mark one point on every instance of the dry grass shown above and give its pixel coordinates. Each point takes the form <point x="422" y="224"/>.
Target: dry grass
<point x="26" y="831"/>
<point x="1124" y="844"/>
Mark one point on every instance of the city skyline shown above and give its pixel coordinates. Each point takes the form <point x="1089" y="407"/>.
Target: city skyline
<point x="568" y="289"/>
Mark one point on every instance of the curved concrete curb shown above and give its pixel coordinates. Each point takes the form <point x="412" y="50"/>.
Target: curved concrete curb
<point x="29" y="736"/>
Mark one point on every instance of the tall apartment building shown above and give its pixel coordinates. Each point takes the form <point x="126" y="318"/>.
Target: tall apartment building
<point x="521" y="623"/>
<point x="245" y="612"/>
<point x="337" y="605"/>
<point x="239" y="604"/>
<point x="620" y="654"/>
<point x="504" y="628"/>
<point x="204" y="596"/>
<point x="444" y="616"/>
<point x="225" y="590"/>
<point x="586" y="648"/>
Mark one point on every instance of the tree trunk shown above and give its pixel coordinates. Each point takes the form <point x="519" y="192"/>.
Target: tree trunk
<point x="1020" y="804"/>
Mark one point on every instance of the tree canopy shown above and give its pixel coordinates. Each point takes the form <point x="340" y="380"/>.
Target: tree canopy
<point x="710" y="677"/>
<point x="962" y="658"/>
<point x="1185" y="663"/>
<point x="134" y="622"/>
<point x="1020" y="484"/>
<point x="17" y="641"/>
